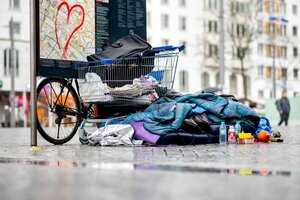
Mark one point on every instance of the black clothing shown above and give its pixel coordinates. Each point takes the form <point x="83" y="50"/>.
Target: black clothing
<point x="283" y="107"/>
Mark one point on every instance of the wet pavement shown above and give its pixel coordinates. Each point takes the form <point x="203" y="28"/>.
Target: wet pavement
<point x="75" y="171"/>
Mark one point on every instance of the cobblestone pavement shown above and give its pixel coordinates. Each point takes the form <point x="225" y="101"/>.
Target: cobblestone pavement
<point x="74" y="171"/>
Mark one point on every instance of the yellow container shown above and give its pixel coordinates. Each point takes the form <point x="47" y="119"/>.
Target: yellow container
<point x="245" y="135"/>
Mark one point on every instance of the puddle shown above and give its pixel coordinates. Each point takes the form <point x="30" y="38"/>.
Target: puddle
<point x="153" y="167"/>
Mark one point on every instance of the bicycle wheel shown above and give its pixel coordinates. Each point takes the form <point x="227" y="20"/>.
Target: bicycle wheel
<point x="57" y="110"/>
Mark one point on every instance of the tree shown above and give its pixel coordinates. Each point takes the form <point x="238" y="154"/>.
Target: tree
<point x="242" y="28"/>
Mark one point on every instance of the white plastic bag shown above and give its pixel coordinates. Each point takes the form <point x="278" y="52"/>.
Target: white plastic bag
<point x="92" y="87"/>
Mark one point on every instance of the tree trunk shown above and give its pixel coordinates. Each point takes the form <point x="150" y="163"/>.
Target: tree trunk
<point x="245" y="86"/>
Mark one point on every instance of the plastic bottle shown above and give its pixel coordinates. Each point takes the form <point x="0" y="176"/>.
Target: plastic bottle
<point x="231" y="135"/>
<point x="238" y="128"/>
<point x="222" y="134"/>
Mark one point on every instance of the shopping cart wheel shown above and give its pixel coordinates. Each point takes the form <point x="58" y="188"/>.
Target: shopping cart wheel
<point x="57" y="110"/>
<point x="82" y="135"/>
<point x="83" y="141"/>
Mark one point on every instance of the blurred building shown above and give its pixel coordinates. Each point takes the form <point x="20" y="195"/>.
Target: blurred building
<point x="196" y="24"/>
<point x="18" y="10"/>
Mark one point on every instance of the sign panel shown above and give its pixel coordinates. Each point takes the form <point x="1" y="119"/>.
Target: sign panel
<point x="70" y="30"/>
<point x="67" y="29"/>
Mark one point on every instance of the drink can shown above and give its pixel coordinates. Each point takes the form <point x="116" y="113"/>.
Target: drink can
<point x="231" y="135"/>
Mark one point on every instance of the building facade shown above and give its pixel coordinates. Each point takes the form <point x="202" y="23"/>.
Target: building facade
<point x="274" y="45"/>
<point x="18" y="12"/>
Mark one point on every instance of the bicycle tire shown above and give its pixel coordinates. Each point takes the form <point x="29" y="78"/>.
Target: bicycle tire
<point x="54" y="121"/>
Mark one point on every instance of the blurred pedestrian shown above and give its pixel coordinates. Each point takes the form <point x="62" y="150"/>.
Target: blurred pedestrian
<point x="283" y="107"/>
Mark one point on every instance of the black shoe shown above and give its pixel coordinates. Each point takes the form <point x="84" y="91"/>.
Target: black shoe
<point x="276" y="134"/>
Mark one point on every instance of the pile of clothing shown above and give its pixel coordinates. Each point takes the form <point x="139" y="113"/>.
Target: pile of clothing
<point x="181" y="120"/>
<point x="142" y="90"/>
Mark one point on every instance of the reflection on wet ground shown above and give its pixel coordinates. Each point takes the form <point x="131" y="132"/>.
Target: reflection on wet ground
<point x="152" y="167"/>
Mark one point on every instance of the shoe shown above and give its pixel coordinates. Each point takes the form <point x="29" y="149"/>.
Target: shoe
<point x="276" y="134"/>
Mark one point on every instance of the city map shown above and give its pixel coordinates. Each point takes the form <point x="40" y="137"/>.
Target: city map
<point x="67" y="29"/>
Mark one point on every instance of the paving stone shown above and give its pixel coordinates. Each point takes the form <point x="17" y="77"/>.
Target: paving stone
<point x="75" y="171"/>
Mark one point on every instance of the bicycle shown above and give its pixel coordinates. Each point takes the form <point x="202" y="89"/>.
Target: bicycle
<point x="66" y="104"/>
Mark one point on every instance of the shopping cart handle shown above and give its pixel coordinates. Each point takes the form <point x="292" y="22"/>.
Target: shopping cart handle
<point x="169" y="48"/>
<point x="80" y="64"/>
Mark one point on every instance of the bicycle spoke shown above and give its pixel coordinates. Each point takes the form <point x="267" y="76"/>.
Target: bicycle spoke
<point x="47" y="98"/>
<point x="58" y="112"/>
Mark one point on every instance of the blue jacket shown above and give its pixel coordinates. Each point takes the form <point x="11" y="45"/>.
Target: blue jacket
<point x="167" y="115"/>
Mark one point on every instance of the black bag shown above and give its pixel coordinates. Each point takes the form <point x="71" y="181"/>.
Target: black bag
<point x="129" y="46"/>
<point x="121" y="72"/>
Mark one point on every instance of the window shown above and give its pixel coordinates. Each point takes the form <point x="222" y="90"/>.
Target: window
<point x="7" y="64"/>
<point x="282" y="8"/>
<point x="284" y="73"/>
<point x="204" y="80"/>
<point x="14" y="4"/>
<point x="182" y="3"/>
<point x="268" y="50"/>
<point x="239" y="52"/>
<point x="295" y="31"/>
<point x="295" y="9"/>
<point x="277" y="7"/>
<point x="233" y="84"/>
<point x="211" y="4"/>
<point x="260" y="49"/>
<point x="182" y="23"/>
<point x="241" y="7"/>
<point x="283" y="30"/>
<point x="16" y="29"/>
<point x="269" y="72"/>
<point x="260" y="71"/>
<point x="260" y="27"/>
<point x="272" y="50"/>
<point x="211" y="50"/>
<point x="259" y="6"/>
<point x="165" y="42"/>
<point x="267" y="28"/>
<point x="165" y="21"/>
<point x="165" y="2"/>
<point x="217" y="77"/>
<point x="283" y="52"/>
<point x="212" y="26"/>
<point x="271" y="7"/>
<point x="260" y="94"/>
<point x="183" y="80"/>
<point x="295" y="73"/>
<point x="239" y="29"/>
<point x="272" y="28"/>
<point x="295" y="51"/>
<point x="278" y="51"/>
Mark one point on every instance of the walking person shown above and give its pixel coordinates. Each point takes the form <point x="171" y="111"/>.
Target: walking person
<point x="283" y="107"/>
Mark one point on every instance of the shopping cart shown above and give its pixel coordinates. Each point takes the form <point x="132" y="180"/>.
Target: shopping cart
<point x="118" y="87"/>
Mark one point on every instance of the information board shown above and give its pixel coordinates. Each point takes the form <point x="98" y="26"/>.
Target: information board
<point x="70" y="30"/>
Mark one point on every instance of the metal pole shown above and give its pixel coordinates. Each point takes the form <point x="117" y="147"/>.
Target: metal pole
<point x="12" y="73"/>
<point x="24" y="107"/>
<point x="274" y="70"/>
<point x="274" y="55"/>
<point x="221" y="46"/>
<point x="33" y="58"/>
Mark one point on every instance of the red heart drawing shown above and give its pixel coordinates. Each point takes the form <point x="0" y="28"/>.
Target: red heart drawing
<point x="76" y="6"/>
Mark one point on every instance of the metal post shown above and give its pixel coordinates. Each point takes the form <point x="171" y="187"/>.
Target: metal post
<point x="12" y="73"/>
<point x="274" y="70"/>
<point x="33" y="58"/>
<point x="274" y="54"/>
<point x="221" y="46"/>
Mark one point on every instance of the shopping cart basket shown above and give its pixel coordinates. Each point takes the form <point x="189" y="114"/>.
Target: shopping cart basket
<point x="138" y="80"/>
